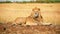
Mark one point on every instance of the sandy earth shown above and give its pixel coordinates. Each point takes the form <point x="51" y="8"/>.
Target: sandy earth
<point x="17" y="29"/>
<point x="10" y="11"/>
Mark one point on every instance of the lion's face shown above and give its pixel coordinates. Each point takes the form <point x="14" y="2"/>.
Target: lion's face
<point x="35" y="14"/>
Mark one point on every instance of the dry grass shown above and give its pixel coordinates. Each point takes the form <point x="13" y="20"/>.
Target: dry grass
<point x="49" y="11"/>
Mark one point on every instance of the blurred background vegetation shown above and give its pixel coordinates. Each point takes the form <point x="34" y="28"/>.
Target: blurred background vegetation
<point x="32" y="1"/>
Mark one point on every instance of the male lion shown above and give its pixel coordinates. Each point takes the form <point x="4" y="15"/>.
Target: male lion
<point x="34" y="19"/>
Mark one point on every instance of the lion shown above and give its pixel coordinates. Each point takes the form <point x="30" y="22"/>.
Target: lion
<point x="34" y="19"/>
<point x="36" y="15"/>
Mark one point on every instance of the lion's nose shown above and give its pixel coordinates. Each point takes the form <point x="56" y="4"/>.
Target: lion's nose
<point x="36" y="15"/>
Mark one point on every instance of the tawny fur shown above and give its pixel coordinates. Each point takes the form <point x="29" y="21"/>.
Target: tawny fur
<point x="32" y="19"/>
<point x="39" y="18"/>
<point x="20" y="20"/>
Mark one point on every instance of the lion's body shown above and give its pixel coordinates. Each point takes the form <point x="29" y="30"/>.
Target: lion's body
<point x="34" y="18"/>
<point x="24" y="21"/>
<point x="30" y="21"/>
<point x="20" y="20"/>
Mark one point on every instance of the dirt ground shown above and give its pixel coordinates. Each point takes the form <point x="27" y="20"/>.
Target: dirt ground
<point x="36" y="29"/>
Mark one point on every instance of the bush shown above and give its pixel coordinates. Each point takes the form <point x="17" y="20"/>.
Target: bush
<point x="6" y="2"/>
